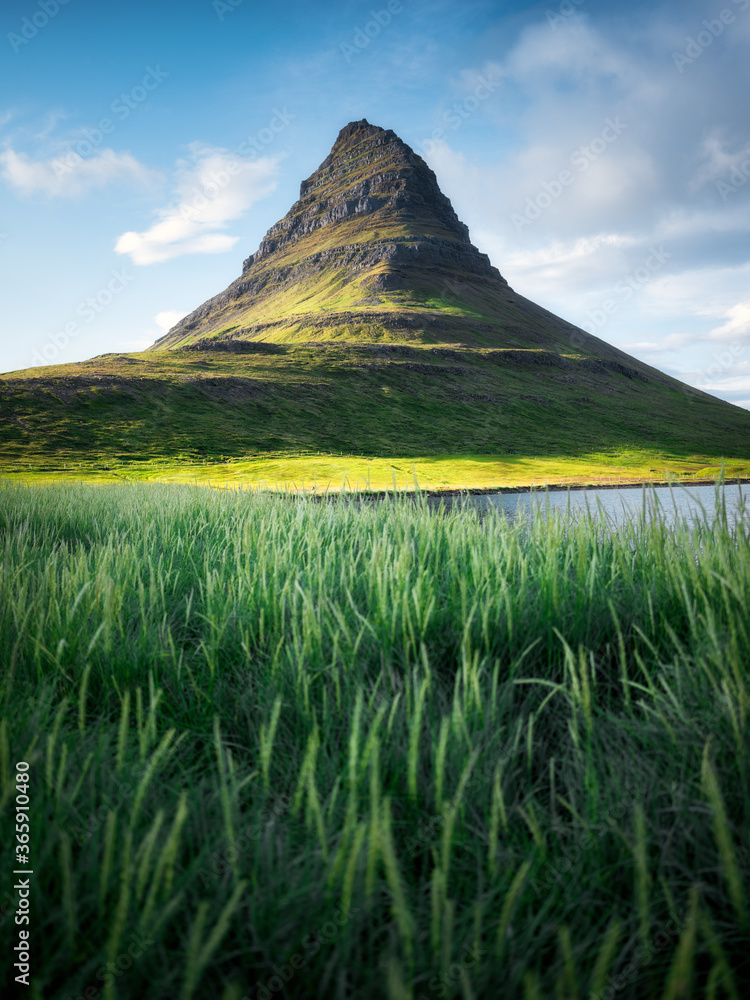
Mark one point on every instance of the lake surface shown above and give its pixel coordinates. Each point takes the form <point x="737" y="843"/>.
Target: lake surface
<point x="618" y="505"/>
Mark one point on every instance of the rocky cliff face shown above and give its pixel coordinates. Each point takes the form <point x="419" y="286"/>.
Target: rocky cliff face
<point x="369" y="172"/>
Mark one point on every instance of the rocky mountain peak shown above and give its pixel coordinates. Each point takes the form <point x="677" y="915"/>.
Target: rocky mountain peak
<point x="369" y="173"/>
<point x="371" y="230"/>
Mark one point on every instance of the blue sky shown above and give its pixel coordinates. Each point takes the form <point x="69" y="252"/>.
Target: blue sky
<point x="598" y="151"/>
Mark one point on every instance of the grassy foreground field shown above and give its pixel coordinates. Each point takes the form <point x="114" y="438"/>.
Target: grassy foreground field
<point x="283" y="748"/>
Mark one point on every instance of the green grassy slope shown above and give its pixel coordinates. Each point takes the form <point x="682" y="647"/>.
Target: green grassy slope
<point x="365" y="399"/>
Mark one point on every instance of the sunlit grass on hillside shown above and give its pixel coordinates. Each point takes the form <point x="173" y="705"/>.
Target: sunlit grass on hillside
<point x="285" y="748"/>
<point x="333" y="473"/>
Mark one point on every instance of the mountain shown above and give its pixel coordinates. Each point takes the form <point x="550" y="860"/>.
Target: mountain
<point x="373" y="251"/>
<point x="366" y="323"/>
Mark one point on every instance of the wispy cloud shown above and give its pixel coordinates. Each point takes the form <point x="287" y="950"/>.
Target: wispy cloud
<point x="734" y="383"/>
<point x="212" y="188"/>
<point x="57" y="180"/>
<point x="567" y="211"/>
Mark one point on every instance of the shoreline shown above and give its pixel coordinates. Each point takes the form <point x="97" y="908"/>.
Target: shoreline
<point x="495" y="490"/>
<point x="432" y="494"/>
<point x="563" y="488"/>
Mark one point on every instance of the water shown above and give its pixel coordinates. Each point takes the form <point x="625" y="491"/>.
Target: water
<point x="692" y="503"/>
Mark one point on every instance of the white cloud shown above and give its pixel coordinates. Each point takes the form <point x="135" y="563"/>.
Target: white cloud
<point x="737" y="326"/>
<point x="70" y="175"/>
<point x="166" y="320"/>
<point x="656" y="180"/>
<point x="566" y="255"/>
<point x="212" y="189"/>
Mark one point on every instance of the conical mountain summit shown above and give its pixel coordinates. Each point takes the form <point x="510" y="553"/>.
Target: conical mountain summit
<point x="373" y="251"/>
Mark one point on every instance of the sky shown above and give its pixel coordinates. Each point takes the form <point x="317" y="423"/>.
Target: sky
<point x="599" y="152"/>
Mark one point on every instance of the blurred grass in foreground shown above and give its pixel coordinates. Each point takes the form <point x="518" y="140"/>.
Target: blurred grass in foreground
<point x="289" y="748"/>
